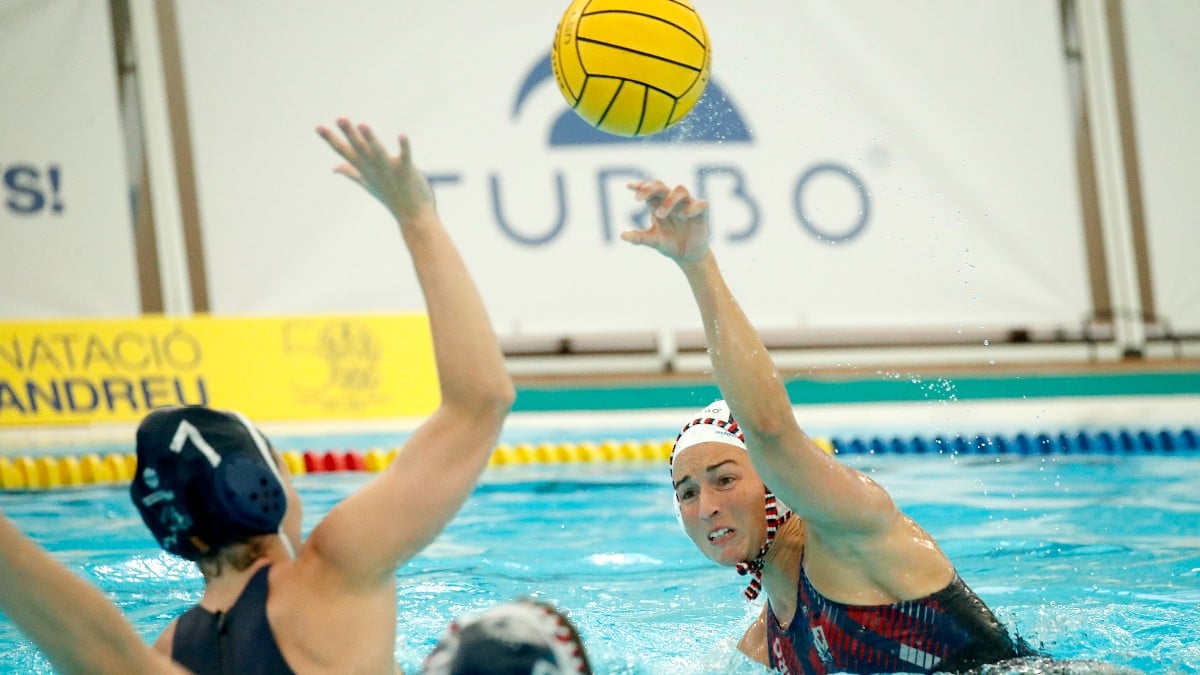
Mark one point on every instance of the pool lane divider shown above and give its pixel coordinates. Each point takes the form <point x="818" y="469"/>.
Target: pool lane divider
<point x="58" y="471"/>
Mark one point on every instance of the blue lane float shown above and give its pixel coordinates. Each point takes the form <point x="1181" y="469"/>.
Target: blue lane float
<point x="1104" y="442"/>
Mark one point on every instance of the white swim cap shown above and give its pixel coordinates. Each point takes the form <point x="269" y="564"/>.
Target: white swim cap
<point x="713" y="424"/>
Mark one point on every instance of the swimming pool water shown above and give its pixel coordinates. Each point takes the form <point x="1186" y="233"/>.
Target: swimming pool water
<point x="1089" y="557"/>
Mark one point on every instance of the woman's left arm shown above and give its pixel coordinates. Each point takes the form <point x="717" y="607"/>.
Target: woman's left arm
<point x="72" y="622"/>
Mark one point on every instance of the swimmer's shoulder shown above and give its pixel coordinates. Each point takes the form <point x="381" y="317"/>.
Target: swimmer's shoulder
<point x="166" y="639"/>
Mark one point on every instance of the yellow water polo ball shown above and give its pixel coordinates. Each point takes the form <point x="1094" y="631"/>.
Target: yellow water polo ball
<point x="631" y="67"/>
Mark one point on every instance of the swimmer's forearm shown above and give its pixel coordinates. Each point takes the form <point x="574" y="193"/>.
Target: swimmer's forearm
<point x="71" y="621"/>
<point x="741" y="363"/>
<point x="815" y="485"/>
<point x="470" y="365"/>
<point x="420" y="492"/>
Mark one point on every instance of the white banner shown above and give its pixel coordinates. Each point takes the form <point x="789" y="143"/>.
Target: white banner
<point x="1164" y="64"/>
<point x="66" y="230"/>
<point x="871" y="164"/>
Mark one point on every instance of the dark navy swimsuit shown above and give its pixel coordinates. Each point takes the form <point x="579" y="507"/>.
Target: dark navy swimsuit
<point x="238" y="641"/>
<point x="948" y="631"/>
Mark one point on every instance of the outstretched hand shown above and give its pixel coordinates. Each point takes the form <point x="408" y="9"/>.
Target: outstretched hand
<point x="678" y="222"/>
<point x="392" y="179"/>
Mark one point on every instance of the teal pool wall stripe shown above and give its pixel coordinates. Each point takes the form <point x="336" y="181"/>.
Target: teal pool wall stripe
<point x="900" y="388"/>
<point x="553" y="399"/>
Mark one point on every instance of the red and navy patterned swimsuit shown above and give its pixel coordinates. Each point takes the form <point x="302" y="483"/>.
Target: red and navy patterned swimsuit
<point x="948" y="631"/>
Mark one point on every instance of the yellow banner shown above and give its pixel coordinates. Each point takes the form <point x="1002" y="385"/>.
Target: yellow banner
<point x="271" y="369"/>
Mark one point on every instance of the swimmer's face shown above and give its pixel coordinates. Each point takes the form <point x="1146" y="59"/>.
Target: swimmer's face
<point x="720" y="501"/>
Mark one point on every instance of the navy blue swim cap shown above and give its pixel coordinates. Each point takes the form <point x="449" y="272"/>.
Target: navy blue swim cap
<point x="205" y="478"/>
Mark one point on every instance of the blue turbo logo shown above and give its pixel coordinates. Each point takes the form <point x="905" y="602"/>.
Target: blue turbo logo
<point x="714" y="131"/>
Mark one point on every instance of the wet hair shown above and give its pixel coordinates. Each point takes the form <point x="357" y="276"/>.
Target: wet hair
<point x="236" y="556"/>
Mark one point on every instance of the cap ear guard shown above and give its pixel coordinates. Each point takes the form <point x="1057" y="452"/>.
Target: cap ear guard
<point x="249" y="494"/>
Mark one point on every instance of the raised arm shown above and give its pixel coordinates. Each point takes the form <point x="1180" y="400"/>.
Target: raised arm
<point x="71" y="621"/>
<point x="391" y="519"/>
<point x="816" y="486"/>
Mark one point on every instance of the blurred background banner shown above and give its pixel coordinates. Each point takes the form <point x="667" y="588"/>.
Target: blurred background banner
<point x="66" y="226"/>
<point x="281" y="368"/>
<point x="869" y="164"/>
<point x="879" y="172"/>
<point x="1164" y="63"/>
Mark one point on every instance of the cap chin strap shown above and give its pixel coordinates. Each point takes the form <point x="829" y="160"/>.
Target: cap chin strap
<point x="264" y="449"/>
<point x="777" y="515"/>
<point x="287" y="544"/>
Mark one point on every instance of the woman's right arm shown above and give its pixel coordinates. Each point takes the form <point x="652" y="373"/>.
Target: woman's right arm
<point x="826" y="493"/>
